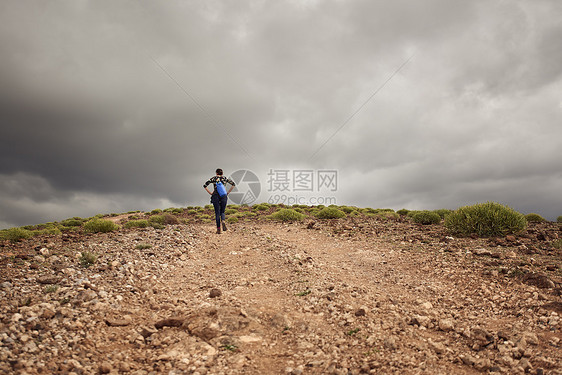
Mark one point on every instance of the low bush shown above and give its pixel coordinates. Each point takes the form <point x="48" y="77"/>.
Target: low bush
<point x="48" y="230"/>
<point x="287" y="214"/>
<point x="232" y="219"/>
<point x="87" y="259"/>
<point x="143" y="246"/>
<point x="403" y="212"/>
<point x="557" y="243"/>
<point x="100" y="226"/>
<point x="559" y="219"/>
<point x="443" y="212"/>
<point x="230" y="211"/>
<point x="260" y="207"/>
<point x="426" y="217"/>
<point x="535" y="218"/>
<point x="15" y="234"/>
<point x="330" y="213"/>
<point x="164" y="219"/>
<point x="348" y="209"/>
<point x="485" y="219"/>
<point x="137" y="224"/>
<point x="156" y="211"/>
<point x="74" y="222"/>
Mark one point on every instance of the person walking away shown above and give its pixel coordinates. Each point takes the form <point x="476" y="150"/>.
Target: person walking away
<point x="219" y="203"/>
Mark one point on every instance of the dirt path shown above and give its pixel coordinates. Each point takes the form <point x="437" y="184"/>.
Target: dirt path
<point x="331" y="304"/>
<point x="269" y="298"/>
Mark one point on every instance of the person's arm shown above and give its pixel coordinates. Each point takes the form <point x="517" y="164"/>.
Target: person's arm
<point x="207" y="184"/>
<point x="232" y="185"/>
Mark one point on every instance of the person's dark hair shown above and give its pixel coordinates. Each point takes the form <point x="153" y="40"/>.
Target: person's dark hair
<point x="219" y="171"/>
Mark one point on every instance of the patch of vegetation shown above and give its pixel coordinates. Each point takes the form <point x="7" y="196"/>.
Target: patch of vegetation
<point x="304" y="293"/>
<point x="100" y="226"/>
<point x="403" y="212"/>
<point x="232" y="219"/>
<point x="156" y="211"/>
<point x="535" y="218"/>
<point x="15" y="234"/>
<point x="485" y="219"/>
<point x="557" y="243"/>
<point x="137" y="224"/>
<point x="443" y="212"/>
<point x="143" y="246"/>
<point x="559" y="219"/>
<point x="50" y="289"/>
<point x="426" y="217"/>
<point x="209" y="207"/>
<point x="191" y="212"/>
<point x="260" y="207"/>
<point x="330" y="213"/>
<point x="352" y="332"/>
<point x="385" y="215"/>
<point x="73" y="222"/>
<point x="348" y="209"/>
<point x="88" y="259"/>
<point x="164" y="219"/>
<point x="52" y="230"/>
<point x="287" y="214"/>
<point x="230" y="211"/>
<point x="229" y="347"/>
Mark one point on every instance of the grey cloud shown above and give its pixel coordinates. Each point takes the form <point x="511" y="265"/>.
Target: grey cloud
<point x="89" y="120"/>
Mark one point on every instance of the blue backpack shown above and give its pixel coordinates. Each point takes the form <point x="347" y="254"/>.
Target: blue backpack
<point x="221" y="189"/>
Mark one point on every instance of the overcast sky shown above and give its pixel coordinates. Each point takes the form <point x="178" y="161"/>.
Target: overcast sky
<point x="112" y="106"/>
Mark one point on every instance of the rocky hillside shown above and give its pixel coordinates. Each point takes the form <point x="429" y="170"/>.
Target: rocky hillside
<point x="357" y="295"/>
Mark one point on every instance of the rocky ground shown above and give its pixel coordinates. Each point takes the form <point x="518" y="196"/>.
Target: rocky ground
<point x="349" y="296"/>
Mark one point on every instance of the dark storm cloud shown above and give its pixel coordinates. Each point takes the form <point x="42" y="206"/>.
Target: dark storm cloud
<point x="110" y="106"/>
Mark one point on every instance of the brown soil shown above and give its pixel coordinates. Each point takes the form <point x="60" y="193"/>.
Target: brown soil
<point x="349" y="296"/>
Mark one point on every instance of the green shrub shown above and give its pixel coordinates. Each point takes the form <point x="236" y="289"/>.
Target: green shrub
<point x="156" y="211"/>
<point x="559" y="219"/>
<point x="15" y="234"/>
<point x="87" y="259"/>
<point x="330" y="213"/>
<point x="209" y="207"/>
<point x="143" y="246"/>
<point x="348" y="209"/>
<point x="230" y="211"/>
<point x="412" y="213"/>
<point x="287" y="214"/>
<point x="165" y="219"/>
<point x="426" y="217"/>
<point x="74" y="222"/>
<point x="49" y="230"/>
<point x="403" y="212"/>
<point x="443" y="212"/>
<point x="535" y="218"/>
<point x="137" y="224"/>
<point x="100" y="226"/>
<point x="260" y="207"/>
<point x="232" y="219"/>
<point x="485" y="219"/>
<point x="191" y="212"/>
